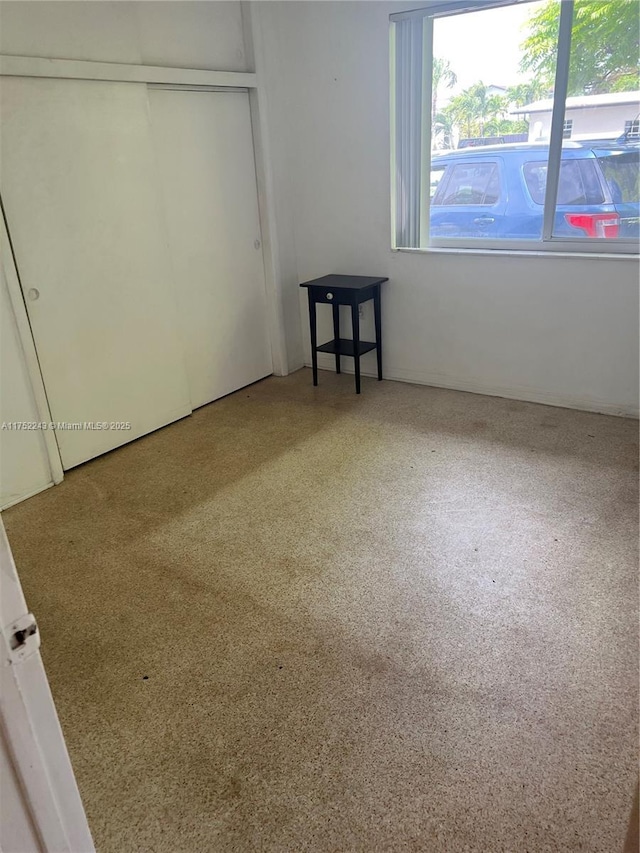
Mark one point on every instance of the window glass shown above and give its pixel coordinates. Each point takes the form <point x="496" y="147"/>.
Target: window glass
<point x="602" y="95"/>
<point x="493" y="71"/>
<point x="470" y="183"/>
<point x="436" y="176"/>
<point x="622" y="175"/>
<point x="480" y="102"/>
<point x="578" y="182"/>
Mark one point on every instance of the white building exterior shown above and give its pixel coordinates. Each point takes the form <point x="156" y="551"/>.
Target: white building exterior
<point x="586" y="116"/>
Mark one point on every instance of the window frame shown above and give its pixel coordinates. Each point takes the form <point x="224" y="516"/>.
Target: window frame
<point x="411" y="87"/>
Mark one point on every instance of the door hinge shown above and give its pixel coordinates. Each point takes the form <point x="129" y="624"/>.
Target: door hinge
<point x="24" y="637"/>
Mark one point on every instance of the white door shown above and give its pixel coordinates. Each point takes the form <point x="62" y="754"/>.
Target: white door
<point x="24" y="462"/>
<point x="207" y="172"/>
<point x="40" y="807"/>
<point x="79" y="187"/>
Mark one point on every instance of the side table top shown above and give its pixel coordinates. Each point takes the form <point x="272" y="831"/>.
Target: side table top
<point x="346" y="282"/>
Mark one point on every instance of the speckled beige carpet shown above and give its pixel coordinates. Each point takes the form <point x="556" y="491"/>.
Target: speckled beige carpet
<point x="302" y="620"/>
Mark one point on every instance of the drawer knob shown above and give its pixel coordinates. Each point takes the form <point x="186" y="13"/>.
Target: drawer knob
<point x="329" y="296"/>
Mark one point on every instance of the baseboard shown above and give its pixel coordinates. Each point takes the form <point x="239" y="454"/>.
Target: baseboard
<point x="523" y="393"/>
<point x="13" y="500"/>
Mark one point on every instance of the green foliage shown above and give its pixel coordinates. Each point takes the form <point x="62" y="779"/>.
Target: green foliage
<point x="605" y="57"/>
<point x="444" y="125"/>
<point x="477" y="113"/>
<point x="442" y="73"/>
<point x="604" y="46"/>
<point x="526" y="93"/>
<point x="503" y="126"/>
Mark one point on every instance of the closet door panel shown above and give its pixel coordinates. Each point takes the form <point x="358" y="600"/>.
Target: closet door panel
<point x="207" y="173"/>
<point x="24" y="464"/>
<point x="79" y="187"/>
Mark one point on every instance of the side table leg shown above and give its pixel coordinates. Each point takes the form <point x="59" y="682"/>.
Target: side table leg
<point x="355" y="322"/>
<point x="378" y="321"/>
<point x="314" y="339"/>
<point x="336" y="332"/>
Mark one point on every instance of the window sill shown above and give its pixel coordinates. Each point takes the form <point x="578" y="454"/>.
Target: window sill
<point x="519" y="253"/>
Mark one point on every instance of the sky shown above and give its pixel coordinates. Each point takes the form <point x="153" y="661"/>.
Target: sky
<point x="482" y="46"/>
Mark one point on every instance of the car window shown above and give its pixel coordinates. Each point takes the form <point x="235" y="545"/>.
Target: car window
<point x="578" y="182"/>
<point x="622" y="173"/>
<point x="469" y="183"/>
<point x="436" y="176"/>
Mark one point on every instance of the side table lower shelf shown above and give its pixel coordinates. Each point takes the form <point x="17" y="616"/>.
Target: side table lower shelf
<point x="344" y="346"/>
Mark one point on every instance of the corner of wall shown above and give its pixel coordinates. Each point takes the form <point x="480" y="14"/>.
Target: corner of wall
<point x="262" y="50"/>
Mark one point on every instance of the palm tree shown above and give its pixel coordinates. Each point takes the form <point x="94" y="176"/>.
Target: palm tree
<point x="444" y="125"/>
<point x="501" y="126"/>
<point x="477" y="112"/>
<point x="442" y="73"/>
<point x="487" y="106"/>
<point x="526" y="93"/>
<point x="464" y="108"/>
<point x="472" y="108"/>
<point x="496" y="111"/>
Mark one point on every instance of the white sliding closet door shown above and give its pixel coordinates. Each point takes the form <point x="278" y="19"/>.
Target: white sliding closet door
<point x="24" y="464"/>
<point x="207" y="172"/>
<point x="79" y="187"/>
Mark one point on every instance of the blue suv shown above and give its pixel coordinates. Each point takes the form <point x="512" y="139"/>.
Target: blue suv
<point x="497" y="191"/>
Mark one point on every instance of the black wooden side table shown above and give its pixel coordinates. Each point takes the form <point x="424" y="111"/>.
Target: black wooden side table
<point x="337" y="290"/>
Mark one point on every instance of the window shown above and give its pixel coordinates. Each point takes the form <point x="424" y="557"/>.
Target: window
<point x="436" y="177"/>
<point x="469" y="184"/>
<point x="578" y="183"/>
<point x="621" y="173"/>
<point x="480" y="89"/>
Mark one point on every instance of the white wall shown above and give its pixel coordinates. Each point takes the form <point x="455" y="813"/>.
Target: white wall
<point x="178" y="34"/>
<point x="274" y="130"/>
<point x="556" y="330"/>
<point x="588" y="122"/>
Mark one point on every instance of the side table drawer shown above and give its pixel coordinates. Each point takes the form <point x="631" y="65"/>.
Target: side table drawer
<point x="331" y="297"/>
